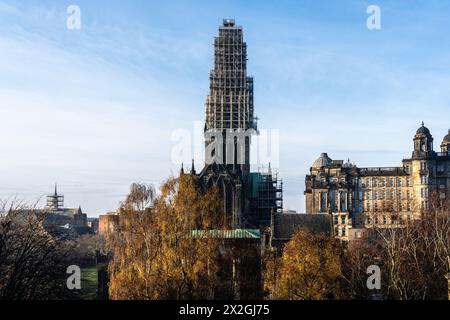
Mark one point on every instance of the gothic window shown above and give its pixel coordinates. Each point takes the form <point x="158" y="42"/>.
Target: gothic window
<point x="323" y="202"/>
<point x="343" y="197"/>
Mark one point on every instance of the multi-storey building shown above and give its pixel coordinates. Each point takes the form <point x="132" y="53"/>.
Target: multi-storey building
<point x="383" y="197"/>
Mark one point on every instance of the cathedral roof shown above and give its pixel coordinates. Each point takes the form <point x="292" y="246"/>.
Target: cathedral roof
<point x="285" y="225"/>
<point x="323" y="161"/>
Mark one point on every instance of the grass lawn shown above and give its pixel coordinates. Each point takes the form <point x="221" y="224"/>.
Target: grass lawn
<point x="89" y="284"/>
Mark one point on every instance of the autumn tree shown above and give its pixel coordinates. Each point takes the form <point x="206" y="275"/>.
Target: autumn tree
<point x="32" y="264"/>
<point x="413" y="257"/>
<point x="308" y="269"/>
<point x="155" y="253"/>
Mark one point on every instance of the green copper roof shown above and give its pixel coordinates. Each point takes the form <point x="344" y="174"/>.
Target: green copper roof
<point x="228" y="234"/>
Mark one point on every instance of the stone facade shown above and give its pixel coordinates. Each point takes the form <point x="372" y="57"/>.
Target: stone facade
<point x="360" y="198"/>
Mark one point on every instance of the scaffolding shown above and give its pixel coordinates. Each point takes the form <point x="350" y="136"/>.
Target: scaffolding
<point x="55" y="201"/>
<point x="229" y="104"/>
<point x="266" y="196"/>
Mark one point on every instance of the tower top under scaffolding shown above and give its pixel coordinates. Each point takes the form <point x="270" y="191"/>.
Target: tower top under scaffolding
<point x="55" y="201"/>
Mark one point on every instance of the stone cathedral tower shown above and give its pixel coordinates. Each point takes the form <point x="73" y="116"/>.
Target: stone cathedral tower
<point x="229" y="105"/>
<point x="249" y="198"/>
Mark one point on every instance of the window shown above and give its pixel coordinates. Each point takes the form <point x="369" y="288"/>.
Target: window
<point x="383" y="182"/>
<point x="424" y="179"/>
<point x="400" y="195"/>
<point x="408" y="182"/>
<point x="375" y="195"/>
<point x="336" y="220"/>
<point x="368" y="195"/>
<point x="384" y="220"/>
<point x="383" y="195"/>
<point x="343" y="220"/>
<point x="392" y="182"/>
<point x="392" y="194"/>
<point x="376" y="219"/>
<point x="399" y="182"/>
<point x="360" y="182"/>
<point x="375" y="183"/>
<point x="344" y="232"/>
<point x="424" y="193"/>
<point x="408" y="194"/>
<point x="368" y="182"/>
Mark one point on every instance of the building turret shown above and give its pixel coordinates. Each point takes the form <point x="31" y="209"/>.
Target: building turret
<point x="323" y="161"/>
<point x="423" y="143"/>
<point x="445" y="146"/>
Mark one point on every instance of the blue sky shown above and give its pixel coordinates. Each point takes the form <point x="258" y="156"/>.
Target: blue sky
<point x="95" y="109"/>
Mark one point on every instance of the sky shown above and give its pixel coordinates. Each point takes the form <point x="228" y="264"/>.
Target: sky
<point x="96" y="109"/>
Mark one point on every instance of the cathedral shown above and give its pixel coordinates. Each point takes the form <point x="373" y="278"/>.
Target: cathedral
<point x="360" y="198"/>
<point x="249" y="198"/>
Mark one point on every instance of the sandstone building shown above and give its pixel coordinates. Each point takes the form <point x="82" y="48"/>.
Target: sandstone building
<point x="360" y="198"/>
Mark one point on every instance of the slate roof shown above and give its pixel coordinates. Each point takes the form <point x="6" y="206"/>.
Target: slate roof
<point x="284" y="225"/>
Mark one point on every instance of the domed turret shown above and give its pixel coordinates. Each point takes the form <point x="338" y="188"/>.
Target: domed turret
<point x="423" y="143"/>
<point x="445" y="146"/>
<point x="423" y="131"/>
<point x="323" y="161"/>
